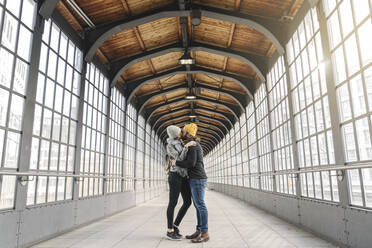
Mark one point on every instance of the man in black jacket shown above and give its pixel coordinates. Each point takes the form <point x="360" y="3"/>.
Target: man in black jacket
<point x="198" y="182"/>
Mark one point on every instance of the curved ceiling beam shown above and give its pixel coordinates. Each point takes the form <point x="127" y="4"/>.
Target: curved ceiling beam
<point x="239" y="99"/>
<point x="99" y="35"/>
<point x="209" y="135"/>
<point x="219" y="128"/>
<point x="224" y="123"/>
<point x="233" y="109"/>
<point x="160" y="121"/>
<point x="219" y="125"/>
<point x="247" y="84"/>
<point x="120" y="66"/>
<point x="229" y="117"/>
<point x="204" y="137"/>
<point x="217" y="132"/>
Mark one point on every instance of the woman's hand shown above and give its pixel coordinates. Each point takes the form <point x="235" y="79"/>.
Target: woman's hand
<point x="191" y="143"/>
<point x="173" y="162"/>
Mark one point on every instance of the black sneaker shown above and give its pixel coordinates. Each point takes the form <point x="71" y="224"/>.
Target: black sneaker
<point x="177" y="231"/>
<point x="173" y="236"/>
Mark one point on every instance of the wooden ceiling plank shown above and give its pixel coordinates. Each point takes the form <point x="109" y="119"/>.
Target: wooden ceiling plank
<point x="226" y="60"/>
<point x="139" y="38"/>
<point x="189" y="27"/>
<point x="73" y="18"/>
<point x="294" y="7"/>
<point x="270" y="51"/>
<point x="102" y="56"/>
<point x="149" y="62"/>
<point x="232" y="30"/>
<point x="126" y="8"/>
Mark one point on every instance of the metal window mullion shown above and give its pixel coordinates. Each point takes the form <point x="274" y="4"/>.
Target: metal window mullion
<point x="29" y="112"/>
<point x="343" y="187"/>
<point x="257" y="146"/>
<point x="291" y="114"/>
<point x="107" y="140"/>
<point x="144" y="157"/>
<point x="79" y="129"/>
<point x="271" y="130"/>
<point x="135" y="155"/>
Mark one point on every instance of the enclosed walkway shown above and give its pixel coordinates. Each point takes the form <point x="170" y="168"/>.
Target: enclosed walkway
<point x="233" y="224"/>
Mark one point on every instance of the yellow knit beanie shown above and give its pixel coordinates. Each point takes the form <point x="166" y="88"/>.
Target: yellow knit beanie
<point x="191" y="128"/>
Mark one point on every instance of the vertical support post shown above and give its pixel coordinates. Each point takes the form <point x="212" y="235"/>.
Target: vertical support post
<point x="124" y="171"/>
<point x="135" y="157"/>
<point x="29" y="112"/>
<point x="296" y="164"/>
<point x="271" y="139"/>
<point x="107" y="142"/>
<point x="335" y="118"/>
<point x="257" y="146"/>
<point x="124" y="145"/>
<point x="79" y="131"/>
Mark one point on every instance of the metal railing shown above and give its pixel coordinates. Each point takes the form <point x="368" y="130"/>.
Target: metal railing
<point x="339" y="168"/>
<point x="25" y="176"/>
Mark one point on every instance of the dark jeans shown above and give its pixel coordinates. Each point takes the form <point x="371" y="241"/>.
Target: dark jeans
<point x="198" y="191"/>
<point x="177" y="185"/>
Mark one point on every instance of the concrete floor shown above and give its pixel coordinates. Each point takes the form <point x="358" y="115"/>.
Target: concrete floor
<point x="232" y="224"/>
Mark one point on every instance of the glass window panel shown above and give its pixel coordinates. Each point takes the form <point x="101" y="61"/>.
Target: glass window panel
<point x="368" y="82"/>
<point x="352" y="58"/>
<point x="346" y="17"/>
<point x="364" y="139"/>
<point x="356" y="87"/>
<point x="14" y="6"/>
<point x="24" y="49"/>
<point x="367" y="183"/>
<point x="365" y="41"/>
<point x="12" y="150"/>
<point x="344" y="103"/>
<point x="339" y="65"/>
<point x="20" y="77"/>
<point x="41" y="190"/>
<point x="7" y="192"/>
<point x="28" y="13"/>
<point x="355" y="188"/>
<point x="34" y="153"/>
<point x="361" y="10"/>
<point x="6" y="67"/>
<point x="10" y="29"/>
<point x="52" y="64"/>
<point x="331" y="153"/>
<point x="349" y="142"/>
<point x="16" y="112"/>
<point x="54" y="39"/>
<point x="334" y="30"/>
<point x="4" y="101"/>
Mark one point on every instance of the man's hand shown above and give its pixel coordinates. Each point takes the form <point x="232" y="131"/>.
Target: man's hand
<point x="173" y="162"/>
<point x="191" y="143"/>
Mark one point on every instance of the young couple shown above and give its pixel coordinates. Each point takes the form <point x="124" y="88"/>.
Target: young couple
<point x="188" y="178"/>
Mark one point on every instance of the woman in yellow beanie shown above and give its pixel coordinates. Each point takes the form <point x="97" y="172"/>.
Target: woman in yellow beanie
<point x="198" y="182"/>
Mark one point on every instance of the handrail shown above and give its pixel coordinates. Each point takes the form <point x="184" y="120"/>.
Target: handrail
<point x="76" y="176"/>
<point x="308" y="170"/>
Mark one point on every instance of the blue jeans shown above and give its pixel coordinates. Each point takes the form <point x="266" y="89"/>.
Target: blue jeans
<point x="198" y="191"/>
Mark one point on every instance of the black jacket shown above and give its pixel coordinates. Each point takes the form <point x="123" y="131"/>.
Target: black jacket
<point x="194" y="162"/>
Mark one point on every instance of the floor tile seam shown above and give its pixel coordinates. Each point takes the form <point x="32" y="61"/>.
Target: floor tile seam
<point x="139" y="226"/>
<point x="236" y="229"/>
<point x="269" y="227"/>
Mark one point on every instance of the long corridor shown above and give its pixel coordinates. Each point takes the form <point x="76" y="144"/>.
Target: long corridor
<point x="233" y="224"/>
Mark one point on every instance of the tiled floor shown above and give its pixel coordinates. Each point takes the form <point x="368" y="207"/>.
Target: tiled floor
<point x="232" y="224"/>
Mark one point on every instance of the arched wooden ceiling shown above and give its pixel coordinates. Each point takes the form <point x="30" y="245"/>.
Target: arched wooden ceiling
<point x="141" y="41"/>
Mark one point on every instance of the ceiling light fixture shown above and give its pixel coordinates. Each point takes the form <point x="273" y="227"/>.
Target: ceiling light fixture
<point x="186" y="59"/>
<point x="195" y="16"/>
